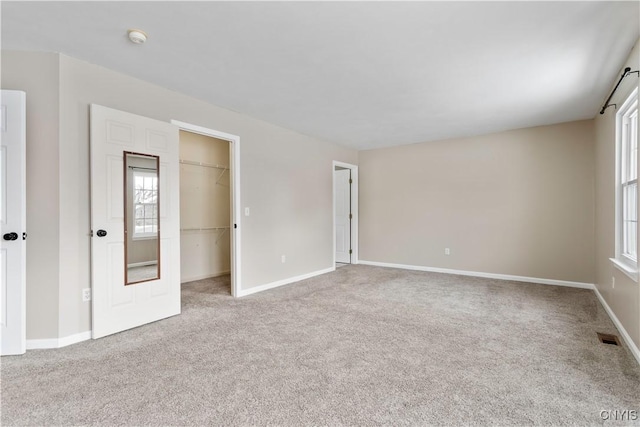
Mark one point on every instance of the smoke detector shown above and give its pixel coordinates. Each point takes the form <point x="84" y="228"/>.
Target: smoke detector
<point x="137" y="36"/>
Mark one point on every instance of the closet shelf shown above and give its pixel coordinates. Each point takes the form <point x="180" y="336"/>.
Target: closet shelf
<point x="204" y="165"/>
<point x="204" y="228"/>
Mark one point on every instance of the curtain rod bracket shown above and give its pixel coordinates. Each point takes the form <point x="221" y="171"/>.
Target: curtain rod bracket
<point x="626" y="72"/>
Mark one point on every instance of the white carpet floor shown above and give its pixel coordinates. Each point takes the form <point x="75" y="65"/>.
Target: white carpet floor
<point x="359" y="346"/>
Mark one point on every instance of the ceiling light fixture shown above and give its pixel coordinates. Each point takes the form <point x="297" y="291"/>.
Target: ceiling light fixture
<point x="137" y="36"/>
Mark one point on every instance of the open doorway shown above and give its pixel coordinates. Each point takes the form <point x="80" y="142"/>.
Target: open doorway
<point x="209" y="195"/>
<point x="345" y="214"/>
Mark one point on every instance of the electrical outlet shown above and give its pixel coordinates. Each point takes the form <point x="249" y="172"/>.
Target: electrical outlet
<point x="86" y="294"/>
<point x="284" y="259"/>
<point x="447" y="251"/>
<point x="613" y="282"/>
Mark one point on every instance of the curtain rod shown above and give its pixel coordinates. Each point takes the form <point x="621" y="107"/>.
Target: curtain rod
<point x="626" y="72"/>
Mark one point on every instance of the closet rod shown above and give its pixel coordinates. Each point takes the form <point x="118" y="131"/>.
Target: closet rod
<point x="626" y="72"/>
<point x="205" y="165"/>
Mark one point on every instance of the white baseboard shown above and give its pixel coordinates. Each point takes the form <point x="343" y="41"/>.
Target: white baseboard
<point x="625" y="335"/>
<point x="204" y="276"/>
<point x="83" y="336"/>
<point x="142" y="264"/>
<point x="58" y="342"/>
<point x="256" y="289"/>
<point x="481" y="274"/>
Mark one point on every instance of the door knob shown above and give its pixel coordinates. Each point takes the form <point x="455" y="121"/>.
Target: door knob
<point x="10" y="236"/>
<point x="101" y="233"/>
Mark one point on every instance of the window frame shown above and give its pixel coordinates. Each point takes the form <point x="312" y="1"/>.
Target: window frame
<point x="626" y="159"/>
<point x="145" y="235"/>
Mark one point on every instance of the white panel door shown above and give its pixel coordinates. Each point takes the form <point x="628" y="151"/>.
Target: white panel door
<point x="116" y="307"/>
<point x="342" y="205"/>
<point x="13" y="222"/>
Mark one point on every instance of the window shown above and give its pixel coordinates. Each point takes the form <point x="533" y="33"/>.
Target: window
<point x="145" y="204"/>
<point x="627" y="186"/>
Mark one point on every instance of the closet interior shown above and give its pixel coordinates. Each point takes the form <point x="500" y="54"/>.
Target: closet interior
<point x="205" y="206"/>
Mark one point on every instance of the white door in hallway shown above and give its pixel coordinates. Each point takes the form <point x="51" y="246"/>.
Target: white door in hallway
<point x="13" y="222"/>
<point x="116" y="306"/>
<point x="342" y="204"/>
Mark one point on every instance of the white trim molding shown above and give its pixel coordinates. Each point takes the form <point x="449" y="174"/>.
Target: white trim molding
<point x="236" y="217"/>
<point x="625" y="258"/>
<point x="625" y="335"/>
<point x="625" y="268"/>
<point x="354" y="209"/>
<point x="58" y="342"/>
<point x="261" y="288"/>
<point x="142" y="264"/>
<point x="204" y="276"/>
<point x="481" y="274"/>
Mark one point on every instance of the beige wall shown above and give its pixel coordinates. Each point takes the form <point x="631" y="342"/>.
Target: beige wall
<point x="517" y="203"/>
<point x="205" y="201"/>
<point x="43" y="185"/>
<point x="520" y="202"/>
<point x="624" y="298"/>
<point x="285" y="179"/>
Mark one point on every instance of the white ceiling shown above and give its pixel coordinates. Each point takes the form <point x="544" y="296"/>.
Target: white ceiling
<point x="362" y="74"/>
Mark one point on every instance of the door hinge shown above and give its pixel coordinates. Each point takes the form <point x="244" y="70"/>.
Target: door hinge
<point x="350" y="216"/>
<point x="350" y="181"/>
<point x="350" y="251"/>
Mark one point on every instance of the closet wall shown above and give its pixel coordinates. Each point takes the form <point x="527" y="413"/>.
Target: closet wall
<point x="204" y="207"/>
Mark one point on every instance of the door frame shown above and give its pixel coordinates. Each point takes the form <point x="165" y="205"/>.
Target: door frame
<point x="354" y="209"/>
<point x="234" y="160"/>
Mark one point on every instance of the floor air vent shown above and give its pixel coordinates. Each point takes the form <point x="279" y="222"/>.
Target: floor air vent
<point x="608" y="339"/>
